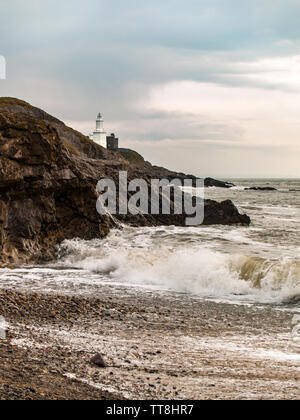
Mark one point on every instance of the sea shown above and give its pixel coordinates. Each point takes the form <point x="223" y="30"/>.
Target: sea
<point x="259" y="264"/>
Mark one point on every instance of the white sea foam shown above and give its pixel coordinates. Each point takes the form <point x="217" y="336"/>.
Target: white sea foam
<point x="238" y="188"/>
<point x="194" y="269"/>
<point x="257" y="264"/>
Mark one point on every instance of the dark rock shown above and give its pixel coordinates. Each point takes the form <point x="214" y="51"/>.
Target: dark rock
<point x="98" y="361"/>
<point x="163" y="173"/>
<point x="210" y="182"/>
<point x="260" y="189"/>
<point x="224" y="213"/>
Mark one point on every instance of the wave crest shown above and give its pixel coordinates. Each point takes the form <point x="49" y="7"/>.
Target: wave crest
<point x="198" y="271"/>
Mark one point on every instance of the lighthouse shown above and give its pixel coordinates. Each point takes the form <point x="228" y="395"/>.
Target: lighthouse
<point x="99" y="135"/>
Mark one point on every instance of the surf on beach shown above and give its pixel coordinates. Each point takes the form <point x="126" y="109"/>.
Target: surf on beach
<point x="191" y="313"/>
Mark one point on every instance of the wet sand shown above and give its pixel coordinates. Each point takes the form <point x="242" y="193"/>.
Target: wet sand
<point x="156" y="346"/>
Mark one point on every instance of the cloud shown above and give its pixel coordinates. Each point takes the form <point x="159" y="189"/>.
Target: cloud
<point x="207" y="76"/>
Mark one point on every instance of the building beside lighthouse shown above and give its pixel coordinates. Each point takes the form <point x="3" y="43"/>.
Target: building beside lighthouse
<point x="112" y="142"/>
<point x="99" y="135"/>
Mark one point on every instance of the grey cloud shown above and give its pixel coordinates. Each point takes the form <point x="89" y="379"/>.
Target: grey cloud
<point x="75" y="58"/>
<point x="185" y="126"/>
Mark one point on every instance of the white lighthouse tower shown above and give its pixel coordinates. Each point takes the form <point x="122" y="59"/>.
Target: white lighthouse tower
<point x="99" y="135"/>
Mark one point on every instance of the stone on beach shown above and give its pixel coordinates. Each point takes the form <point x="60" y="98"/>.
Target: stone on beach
<point x="98" y="361"/>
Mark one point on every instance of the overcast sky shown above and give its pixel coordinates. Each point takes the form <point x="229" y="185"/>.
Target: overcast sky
<point x="210" y="87"/>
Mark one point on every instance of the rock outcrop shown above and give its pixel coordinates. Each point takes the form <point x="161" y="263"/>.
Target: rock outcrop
<point x="48" y="175"/>
<point x="162" y="173"/>
<point x="261" y="189"/>
<point x="211" y="182"/>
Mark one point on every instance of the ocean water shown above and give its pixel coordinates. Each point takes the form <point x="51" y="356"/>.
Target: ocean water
<point x="256" y="264"/>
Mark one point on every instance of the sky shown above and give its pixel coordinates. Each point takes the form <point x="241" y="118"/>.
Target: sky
<point x="210" y="87"/>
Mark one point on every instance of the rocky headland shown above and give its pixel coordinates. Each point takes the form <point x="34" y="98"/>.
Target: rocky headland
<point x="48" y="178"/>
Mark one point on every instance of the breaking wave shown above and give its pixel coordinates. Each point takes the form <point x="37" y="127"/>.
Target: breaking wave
<point x="195" y="270"/>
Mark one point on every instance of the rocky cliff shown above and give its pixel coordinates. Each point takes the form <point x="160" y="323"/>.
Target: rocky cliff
<point x="162" y="173"/>
<point x="48" y="175"/>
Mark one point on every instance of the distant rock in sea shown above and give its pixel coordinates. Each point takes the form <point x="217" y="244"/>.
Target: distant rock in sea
<point x="48" y="175"/>
<point x="210" y="182"/>
<point x="261" y="189"/>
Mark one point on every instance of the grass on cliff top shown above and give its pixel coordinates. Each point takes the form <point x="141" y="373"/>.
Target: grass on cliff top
<point x="12" y="101"/>
<point x="131" y="155"/>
